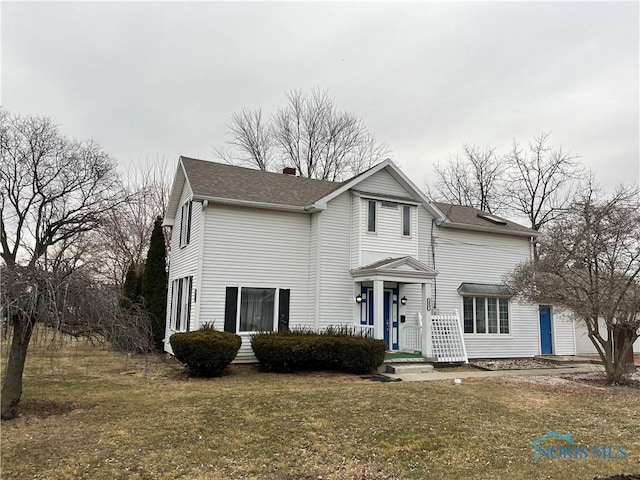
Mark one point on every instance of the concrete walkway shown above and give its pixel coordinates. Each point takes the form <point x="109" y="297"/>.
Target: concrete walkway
<point x="425" y="377"/>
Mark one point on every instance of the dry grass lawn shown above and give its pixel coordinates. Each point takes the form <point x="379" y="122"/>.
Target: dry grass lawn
<point x="92" y="414"/>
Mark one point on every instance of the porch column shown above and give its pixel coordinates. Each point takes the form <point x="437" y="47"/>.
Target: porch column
<point x="427" y="347"/>
<point x="378" y="309"/>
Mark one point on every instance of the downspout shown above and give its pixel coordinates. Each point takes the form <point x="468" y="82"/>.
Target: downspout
<point x="318" y="270"/>
<point x="433" y="261"/>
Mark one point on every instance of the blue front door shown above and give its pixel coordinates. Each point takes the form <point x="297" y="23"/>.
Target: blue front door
<point x="546" y="337"/>
<point x="389" y="315"/>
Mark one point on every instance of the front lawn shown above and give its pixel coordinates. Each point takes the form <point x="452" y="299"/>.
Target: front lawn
<point x="92" y="414"/>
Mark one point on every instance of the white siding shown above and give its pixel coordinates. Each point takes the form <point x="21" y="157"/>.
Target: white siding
<point x="584" y="344"/>
<point x="414" y="292"/>
<point x="478" y="257"/>
<point x="563" y="334"/>
<point x="336" y="283"/>
<point x="383" y="183"/>
<point x="184" y="260"/>
<point x="356" y="231"/>
<point x="255" y="248"/>
<point x="388" y="240"/>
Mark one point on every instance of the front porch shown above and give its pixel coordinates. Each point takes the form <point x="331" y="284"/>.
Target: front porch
<point x="393" y="303"/>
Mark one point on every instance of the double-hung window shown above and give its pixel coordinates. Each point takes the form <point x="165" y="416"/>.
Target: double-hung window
<point x="371" y="216"/>
<point x="181" y="303"/>
<point x="406" y="220"/>
<point x="185" y="224"/>
<point x="486" y="315"/>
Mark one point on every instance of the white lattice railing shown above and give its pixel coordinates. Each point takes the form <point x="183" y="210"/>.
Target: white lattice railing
<point x="447" y="341"/>
<point x="411" y="339"/>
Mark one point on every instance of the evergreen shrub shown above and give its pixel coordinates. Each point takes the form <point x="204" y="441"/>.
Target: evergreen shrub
<point x="206" y="352"/>
<point x="341" y="349"/>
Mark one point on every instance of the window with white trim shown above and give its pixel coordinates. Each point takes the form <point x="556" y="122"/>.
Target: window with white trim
<point x="371" y="216"/>
<point x="406" y="220"/>
<point x="486" y="315"/>
<point x="257" y="309"/>
<point x="185" y="224"/>
<point x="181" y="291"/>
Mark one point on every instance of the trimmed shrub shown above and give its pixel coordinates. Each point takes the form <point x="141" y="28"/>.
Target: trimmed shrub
<point x="205" y="352"/>
<point x="340" y="349"/>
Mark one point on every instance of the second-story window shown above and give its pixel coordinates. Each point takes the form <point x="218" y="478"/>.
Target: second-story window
<point x="406" y="220"/>
<point x="185" y="224"/>
<point x="371" y="216"/>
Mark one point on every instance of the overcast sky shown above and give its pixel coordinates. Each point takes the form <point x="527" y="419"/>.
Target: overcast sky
<point x="153" y="80"/>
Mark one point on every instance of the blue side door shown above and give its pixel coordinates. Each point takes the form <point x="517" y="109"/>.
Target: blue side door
<point x="546" y="336"/>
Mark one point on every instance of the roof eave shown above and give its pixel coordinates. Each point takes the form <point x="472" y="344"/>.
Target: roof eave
<point x="252" y="204"/>
<point x="478" y="228"/>
<point x="179" y="180"/>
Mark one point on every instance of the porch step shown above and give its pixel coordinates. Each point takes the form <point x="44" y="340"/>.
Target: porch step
<point x="402" y="368"/>
<point x="409" y="360"/>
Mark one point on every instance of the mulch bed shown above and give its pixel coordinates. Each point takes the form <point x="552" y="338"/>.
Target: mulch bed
<point x="620" y="477"/>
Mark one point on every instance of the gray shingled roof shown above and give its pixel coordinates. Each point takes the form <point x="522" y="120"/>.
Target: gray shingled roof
<point x="212" y="179"/>
<point x="469" y="216"/>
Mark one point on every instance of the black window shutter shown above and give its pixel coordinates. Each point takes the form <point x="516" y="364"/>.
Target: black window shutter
<point x="230" y="309"/>
<point x="188" y="325"/>
<point x="189" y="224"/>
<point x="181" y="225"/>
<point x="179" y="309"/>
<point x="283" y="309"/>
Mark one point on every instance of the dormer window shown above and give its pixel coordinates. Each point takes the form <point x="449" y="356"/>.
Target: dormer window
<point x="371" y="216"/>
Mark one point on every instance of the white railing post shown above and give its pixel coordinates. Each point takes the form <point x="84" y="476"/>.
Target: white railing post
<point x="461" y="331"/>
<point x="427" y="349"/>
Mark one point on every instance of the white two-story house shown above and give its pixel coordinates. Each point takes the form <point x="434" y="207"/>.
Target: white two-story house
<point x="257" y="251"/>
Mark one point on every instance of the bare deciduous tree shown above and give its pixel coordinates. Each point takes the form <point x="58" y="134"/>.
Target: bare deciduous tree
<point x="53" y="192"/>
<point x="474" y="181"/>
<point x="123" y="239"/>
<point x="251" y="137"/>
<point x="310" y="134"/>
<point x="541" y="182"/>
<point x="589" y="265"/>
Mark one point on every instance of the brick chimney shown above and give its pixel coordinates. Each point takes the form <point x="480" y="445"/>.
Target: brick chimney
<point x="289" y="171"/>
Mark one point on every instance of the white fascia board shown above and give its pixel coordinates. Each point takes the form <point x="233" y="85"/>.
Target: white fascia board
<point x="381" y="196"/>
<point x="439" y="213"/>
<point x="396" y="173"/>
<point x="373" y="170"/>
<point x="477" y="228"/>
<point x="392" y="277"/>
<point x="252" y="204"/>
<point x="179" y="180"/>
<point x="400" y="176"/>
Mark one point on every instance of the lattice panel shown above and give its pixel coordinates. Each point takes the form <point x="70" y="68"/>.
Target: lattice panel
<point x="447" y="340"/>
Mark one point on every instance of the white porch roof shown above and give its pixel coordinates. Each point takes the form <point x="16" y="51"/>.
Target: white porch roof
<point x="400" y="269"/>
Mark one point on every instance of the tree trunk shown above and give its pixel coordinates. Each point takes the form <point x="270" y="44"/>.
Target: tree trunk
<point x="12" y="383"/>
<point x="624" y="341"/>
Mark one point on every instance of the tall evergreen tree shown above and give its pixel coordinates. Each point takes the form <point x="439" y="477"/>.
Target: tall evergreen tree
<point x="154" y="284"/>
<point x="132" y="288"/>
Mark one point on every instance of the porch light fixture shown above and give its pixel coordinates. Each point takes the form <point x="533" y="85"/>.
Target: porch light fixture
<point x="403" y="300"/>
<point x="358" y="298"/>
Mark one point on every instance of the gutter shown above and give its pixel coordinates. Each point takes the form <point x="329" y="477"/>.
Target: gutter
<point x="248" y="203"/>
